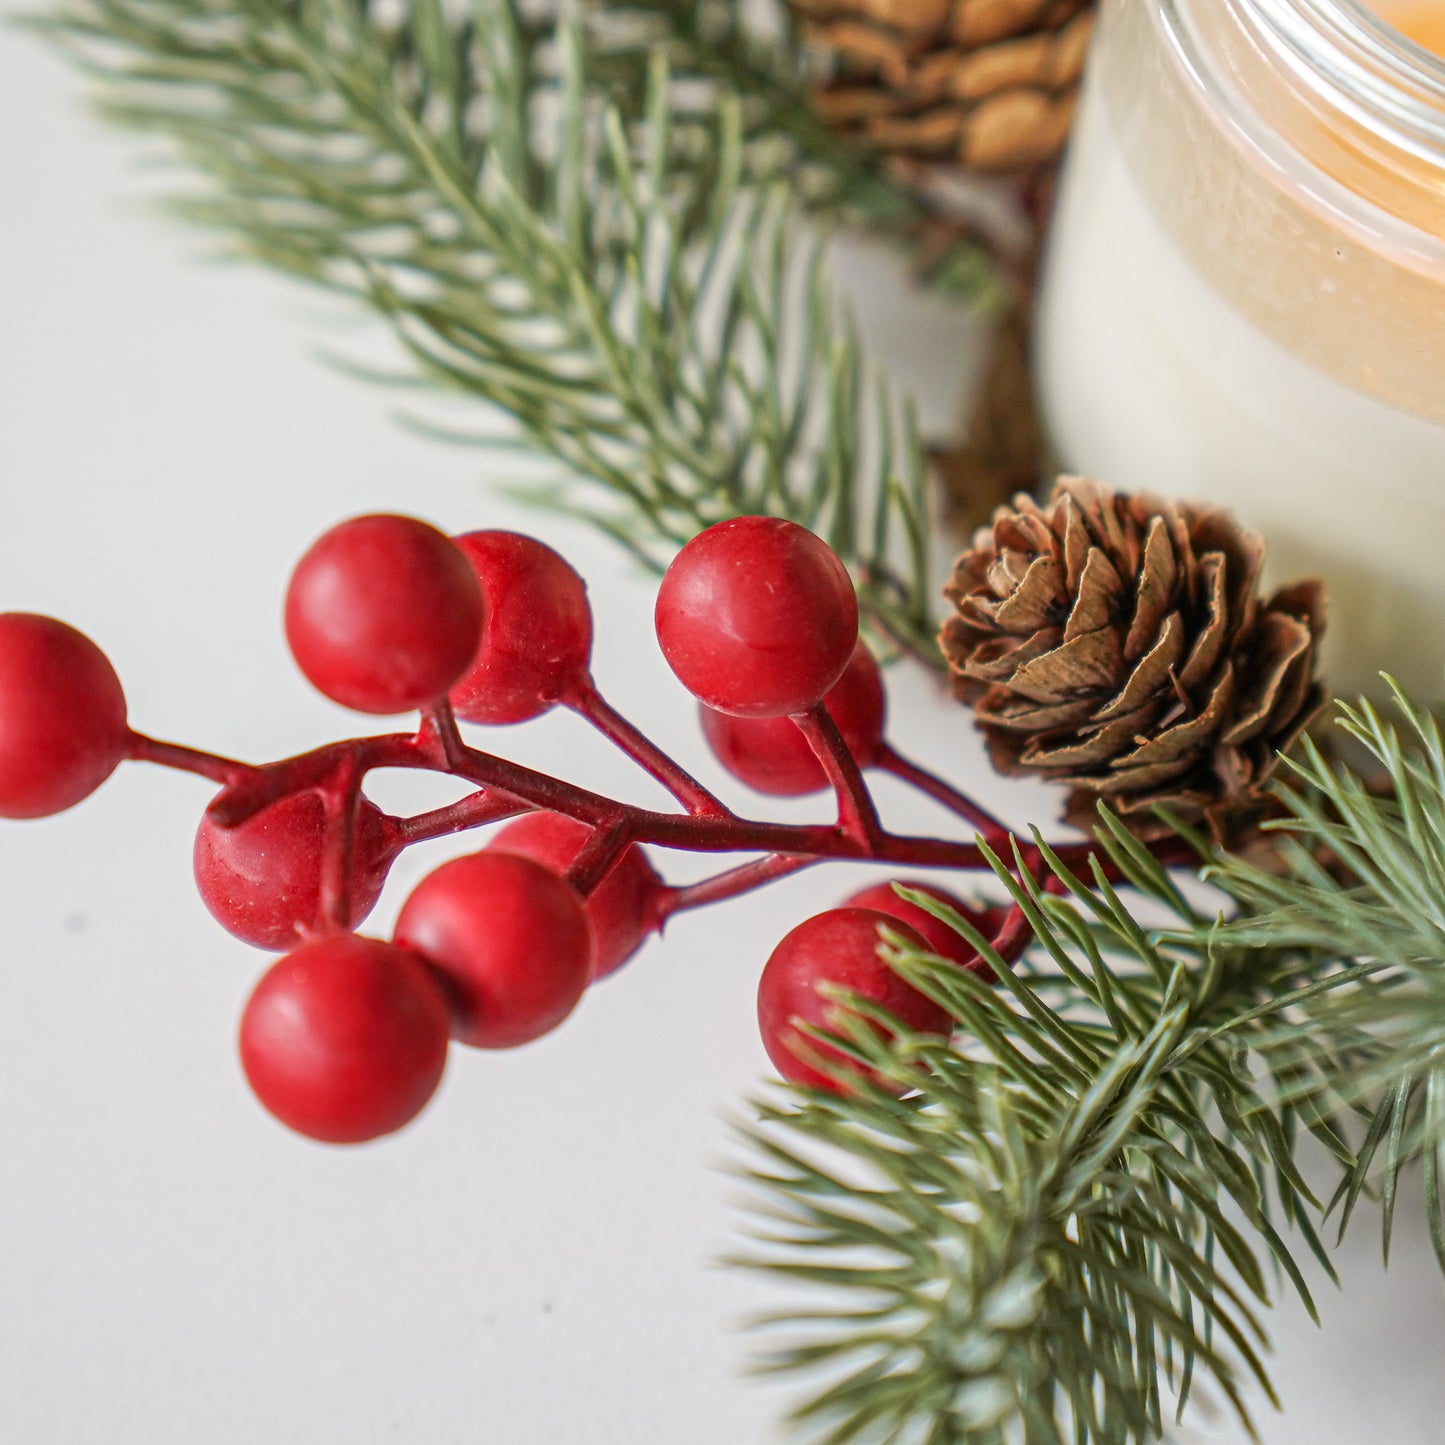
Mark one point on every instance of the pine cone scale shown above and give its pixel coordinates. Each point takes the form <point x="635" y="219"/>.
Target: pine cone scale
<point x="1123" y="787"/>
<point x="1210" y="644"/>
<point x="1082" y="757"/>
<point x="1099" y="594"/>
<point x="1119" y="645"/>
<point x="995" y="662"/>
<point x="983" y="22"/>
<point x="1001" y="67"/>
<point x="1070" y="51"/>
<point x="1034" y="602"/>
<point x="1187" y="737"/>
<point x="1032" y="718"/>
<point x="1285" y="683"/>
<point x="1088" y="664"/>
<point x="1152" y="674"/>
<point x="1158" y="575"/>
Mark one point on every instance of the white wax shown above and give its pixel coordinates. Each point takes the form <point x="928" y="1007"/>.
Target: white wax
<point x="1151" y="380"/>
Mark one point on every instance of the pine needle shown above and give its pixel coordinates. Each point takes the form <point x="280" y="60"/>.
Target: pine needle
<point x="591" y="218"/>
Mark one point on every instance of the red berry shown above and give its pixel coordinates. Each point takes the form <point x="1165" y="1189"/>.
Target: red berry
<point x="618" y="908"/>
<point x="939" y="937"/>
<point x="757" y="617"/>
<point x="510" y="940"/>
<point x="262" y="879"/>
<point x="840" y="948"/>
<point x="62" y="716"/>
<point x="537" y="640"/>
<point x="346" y="1038"/>
<point x="383" y="614"/>
<point x="772" y="755"/>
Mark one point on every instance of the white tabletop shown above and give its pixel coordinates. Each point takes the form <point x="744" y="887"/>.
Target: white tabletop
<point x="533" y="1261"/>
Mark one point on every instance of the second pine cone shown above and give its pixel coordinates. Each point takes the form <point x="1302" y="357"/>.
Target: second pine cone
<point x="985" y="85"/>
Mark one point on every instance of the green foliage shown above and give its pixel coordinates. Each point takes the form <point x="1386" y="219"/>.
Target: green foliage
<point x="1071" y="1211"/>
<point x="590" y="221"/>
<point x="1376" y="1049"/>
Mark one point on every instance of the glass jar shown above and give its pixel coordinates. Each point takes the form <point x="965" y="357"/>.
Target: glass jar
<point x="1244" y="298"/>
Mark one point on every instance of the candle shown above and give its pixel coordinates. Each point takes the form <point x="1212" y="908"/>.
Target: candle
<point x="1426" y="27"/>
<point x="1244" y="300"/>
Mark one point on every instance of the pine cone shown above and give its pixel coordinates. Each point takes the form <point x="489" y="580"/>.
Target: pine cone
<point x="988" y="85"/>
<point x="1118" y="644"/>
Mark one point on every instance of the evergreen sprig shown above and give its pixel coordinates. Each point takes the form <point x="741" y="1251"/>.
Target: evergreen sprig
<point x="1073" y="1208"/>
<point x="589" y="220"/>
<point x="1376" y="1049"/>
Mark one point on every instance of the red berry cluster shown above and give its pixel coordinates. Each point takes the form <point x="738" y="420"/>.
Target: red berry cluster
<point x="345" y="1037"/>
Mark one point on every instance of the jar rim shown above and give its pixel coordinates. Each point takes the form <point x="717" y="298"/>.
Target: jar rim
<point x="1353" y="60"/>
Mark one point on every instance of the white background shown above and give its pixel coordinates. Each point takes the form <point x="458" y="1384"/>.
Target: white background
<point x="533" y="1261"/>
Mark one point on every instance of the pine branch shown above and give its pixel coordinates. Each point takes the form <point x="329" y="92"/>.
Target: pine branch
<point x="713" y="40"/>
<point x="557" y="222"/>
<point x="1047" y="1228"/>
<point x="1375" y="1050"/>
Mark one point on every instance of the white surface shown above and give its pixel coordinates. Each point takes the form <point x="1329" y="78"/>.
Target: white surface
<point x="530" y="1263"/>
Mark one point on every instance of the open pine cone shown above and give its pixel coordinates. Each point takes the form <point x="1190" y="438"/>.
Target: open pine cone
<point x="986" y="85"/>
<point x="1119" y="645"/>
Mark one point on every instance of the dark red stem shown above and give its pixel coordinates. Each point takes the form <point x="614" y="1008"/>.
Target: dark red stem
<point x="439" y="733"/>
<point x="1014" y="936"/>
<point x="722" y="886"/>
<point x="890" y="760"/>
<point x="598" y="855"/>
<point x="857" y="814"/>
<point x="226" y="771"/>
<point x="341" y="796"/>
<point x="338" y="770"/>
<point x="474" y="811"/>
<point x="589" y="704"/>
<point x="260" y="787"/>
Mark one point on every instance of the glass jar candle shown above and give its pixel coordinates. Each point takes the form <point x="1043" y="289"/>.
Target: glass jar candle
<point x="1244" y="298"/>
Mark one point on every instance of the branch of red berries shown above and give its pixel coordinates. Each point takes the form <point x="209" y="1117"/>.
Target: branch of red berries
<point x="345" y="1037"/>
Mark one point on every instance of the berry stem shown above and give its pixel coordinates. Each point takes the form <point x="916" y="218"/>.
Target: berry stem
<point x="439" y="732"/>
<point x="260" y="787"/>
<point x="426" y="750"/>
<point x="589" y="704"/>
<point x="1014" y="936"/>
<point x="857" y="814"/>
<point x="891" y="761"/>
<point x="511" y="788"/>
<point x="592" y="865"/>
<point x="731" y="884"/>
<point x="489" y="805"/>
<point x="226" y="771"/>
<point x="340" y="798"/>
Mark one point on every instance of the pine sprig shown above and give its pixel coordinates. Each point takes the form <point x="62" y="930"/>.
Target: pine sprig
<point x="1049" y="1231"/>
<point x="1376" y="1048"/>
<point x="557" y="221"/>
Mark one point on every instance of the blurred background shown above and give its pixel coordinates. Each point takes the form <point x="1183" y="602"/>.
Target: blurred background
<point x="534" y="1260"/>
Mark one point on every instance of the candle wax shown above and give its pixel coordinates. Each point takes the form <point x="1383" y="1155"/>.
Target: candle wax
<point x="1153" y="380"/>
<point x="1424" y="24"/>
